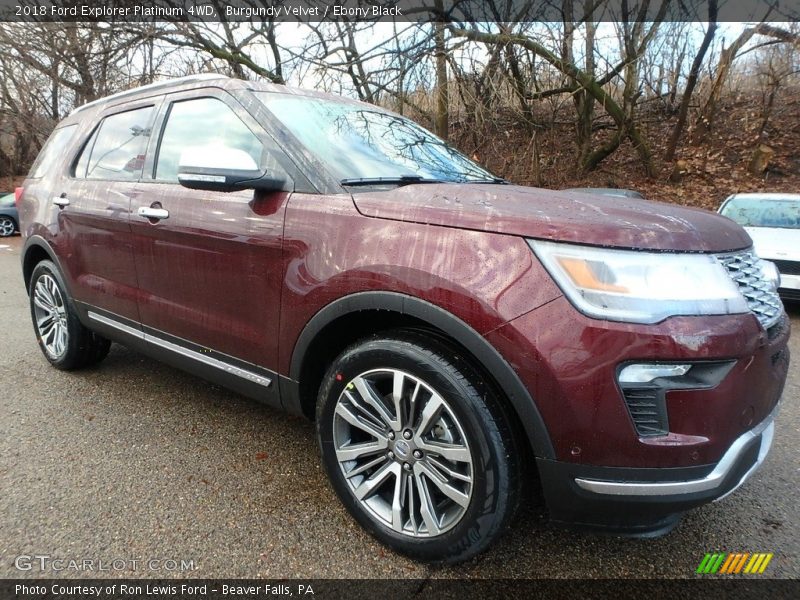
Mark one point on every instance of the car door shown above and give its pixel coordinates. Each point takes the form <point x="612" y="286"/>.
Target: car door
<point x="94" y="201"/>
<point x="208" y="263"/>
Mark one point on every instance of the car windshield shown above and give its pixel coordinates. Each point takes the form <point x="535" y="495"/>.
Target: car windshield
<point x="364" y="145"/>
<point x="7" y="200"/>
<point x="783" y="213"/>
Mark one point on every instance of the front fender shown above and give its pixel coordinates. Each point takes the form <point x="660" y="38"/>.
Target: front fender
<point x="493" y="362"/>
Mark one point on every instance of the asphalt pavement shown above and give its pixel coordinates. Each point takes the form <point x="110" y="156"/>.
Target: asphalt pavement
<point x="150" y="472"/>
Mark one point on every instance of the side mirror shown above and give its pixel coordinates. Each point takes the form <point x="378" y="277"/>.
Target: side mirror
<point x="223" y="169"/>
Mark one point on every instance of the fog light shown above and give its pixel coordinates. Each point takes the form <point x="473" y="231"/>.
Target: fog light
<point x="645" y="373"/>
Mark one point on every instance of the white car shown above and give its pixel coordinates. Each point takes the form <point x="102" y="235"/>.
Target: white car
<point x="773" y="222"/>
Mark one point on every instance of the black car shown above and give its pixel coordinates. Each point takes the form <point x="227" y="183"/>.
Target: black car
<point x="9" y="218"/>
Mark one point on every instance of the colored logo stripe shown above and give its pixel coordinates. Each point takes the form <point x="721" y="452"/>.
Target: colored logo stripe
<point x="711" y="563"/>
<point x="758" y="563"/>
<point x="733" y="563"/>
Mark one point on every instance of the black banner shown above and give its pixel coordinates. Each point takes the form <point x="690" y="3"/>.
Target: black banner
<point x="462" y="11"/>
<point x="370" y="589"/>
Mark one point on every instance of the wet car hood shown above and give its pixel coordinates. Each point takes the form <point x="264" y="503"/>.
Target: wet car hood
<point x="556" y="215"/>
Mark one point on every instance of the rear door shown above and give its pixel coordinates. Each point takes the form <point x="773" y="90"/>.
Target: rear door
<point x="209" y="265"/>
<point x="94" y="209"/>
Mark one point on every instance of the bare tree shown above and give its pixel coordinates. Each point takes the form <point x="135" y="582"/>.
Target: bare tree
<point x="691" y="82"/>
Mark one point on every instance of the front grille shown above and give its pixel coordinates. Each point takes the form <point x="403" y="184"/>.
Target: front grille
<point x="788" y="267"/>
<point x="647" y="409"/>
<point x="744" y="269"/>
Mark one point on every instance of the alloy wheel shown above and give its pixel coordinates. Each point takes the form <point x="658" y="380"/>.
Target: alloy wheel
<point x="403" y="452"/>
<point x="6" y="227"/>
<point x="51" y="316"/>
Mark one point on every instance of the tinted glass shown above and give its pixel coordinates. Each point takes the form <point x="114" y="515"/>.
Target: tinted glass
<point x="764" y="212"/>
<point x="7" y="200"/>
<point x="119" y="147"/>
<point x="359" y="142"/>
<point x="204" y="122"/>
<point x="53" y="150"/>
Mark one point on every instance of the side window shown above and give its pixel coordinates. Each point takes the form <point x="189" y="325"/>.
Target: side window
<point x="202" y="123"/>
<point x="116" y="149"/>
<point x="52" y="151"/>
<point x="83" y="160"/>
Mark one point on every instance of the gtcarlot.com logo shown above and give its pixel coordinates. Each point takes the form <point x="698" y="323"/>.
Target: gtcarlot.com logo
<point x="45" y="562"/>
<point x="734" y="563"/>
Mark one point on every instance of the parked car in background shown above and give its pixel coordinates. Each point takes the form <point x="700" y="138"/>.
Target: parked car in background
<point x="449" y="333"/>
<point x="618" y="192"/>
<point x="773" y="222"/>
<point x="9" y="217"/>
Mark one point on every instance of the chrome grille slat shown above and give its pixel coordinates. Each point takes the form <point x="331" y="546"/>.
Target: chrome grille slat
<point x="744" y="269"/>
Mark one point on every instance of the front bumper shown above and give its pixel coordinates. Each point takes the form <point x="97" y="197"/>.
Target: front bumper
<point x="649" y="501"/>
<point x="604" y="472"/>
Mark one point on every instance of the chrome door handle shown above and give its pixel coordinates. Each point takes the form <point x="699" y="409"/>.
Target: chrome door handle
<point x="153" y="213"/>
<point x="59" y="201"/>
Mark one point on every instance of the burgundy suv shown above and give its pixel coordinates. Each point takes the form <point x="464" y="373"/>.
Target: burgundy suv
<point x="447" y="331"/>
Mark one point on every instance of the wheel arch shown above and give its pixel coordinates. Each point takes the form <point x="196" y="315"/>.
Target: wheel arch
<point x="36" y="250"/>
<point x="352" y="317"/>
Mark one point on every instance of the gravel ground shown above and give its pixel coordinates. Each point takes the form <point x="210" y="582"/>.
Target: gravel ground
<point x="133" y="461"/>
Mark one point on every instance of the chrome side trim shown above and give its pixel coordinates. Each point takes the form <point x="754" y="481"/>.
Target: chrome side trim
<point x="208" y="360"/>
<point x="138" y="333"/>
<point x="765" y="429"/>
<point x="185" y="352"/>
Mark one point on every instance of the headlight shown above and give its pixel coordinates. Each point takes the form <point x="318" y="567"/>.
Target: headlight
<point x="640" y="287"/>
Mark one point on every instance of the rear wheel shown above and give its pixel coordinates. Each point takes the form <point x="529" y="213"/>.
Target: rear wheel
<point x="64" y="341"/>
<point x="422" y="460"/>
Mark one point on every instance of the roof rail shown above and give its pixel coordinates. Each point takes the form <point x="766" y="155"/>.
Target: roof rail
<point x="152" y="87"/>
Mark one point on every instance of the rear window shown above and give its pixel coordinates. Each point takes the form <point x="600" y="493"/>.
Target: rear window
<point x="782" y="213"/>
<point x="116" y="150"/>
<point x="53" y="150"/>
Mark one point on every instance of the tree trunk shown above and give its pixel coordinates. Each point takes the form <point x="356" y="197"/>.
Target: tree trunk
<point x="766" y="112"/>
<point x="691" y="82"/>
<point x="760" y="160"/>
<point x="705" y="122"/>
<point x="584" y="103"/>
<point x="519" y="88"/>
<point x="442" y="119"/>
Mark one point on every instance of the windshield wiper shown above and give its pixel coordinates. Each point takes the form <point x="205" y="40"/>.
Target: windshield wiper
<point x="403" y="180"/>
<point x="492" y="180"/>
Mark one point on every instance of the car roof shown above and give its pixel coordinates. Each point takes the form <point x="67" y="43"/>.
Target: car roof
<point x="192" y="82"/>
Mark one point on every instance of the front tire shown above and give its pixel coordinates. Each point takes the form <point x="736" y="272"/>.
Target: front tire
<point x="63" y="339"/>
<point x="419" y="457"/>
